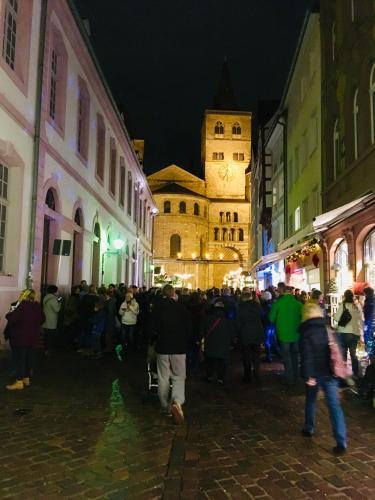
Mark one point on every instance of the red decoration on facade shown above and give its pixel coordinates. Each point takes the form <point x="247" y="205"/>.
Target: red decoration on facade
<point x="315" y="260"/>
<point x="288" y="269"/>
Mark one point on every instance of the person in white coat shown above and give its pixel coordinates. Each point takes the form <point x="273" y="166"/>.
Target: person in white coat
<point x="51" y="309"/>
<point x="129" y="311"/>
<point x="349" y="317"/>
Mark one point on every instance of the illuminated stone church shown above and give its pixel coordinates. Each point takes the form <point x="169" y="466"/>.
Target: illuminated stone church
<point x="201" y="232"/>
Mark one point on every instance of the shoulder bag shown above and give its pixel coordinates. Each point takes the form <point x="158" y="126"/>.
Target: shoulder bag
<point x="338" y="365"/>
<point x="345" y="316"/>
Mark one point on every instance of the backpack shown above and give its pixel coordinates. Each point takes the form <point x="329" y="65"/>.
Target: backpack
<point x="345" y="316"/>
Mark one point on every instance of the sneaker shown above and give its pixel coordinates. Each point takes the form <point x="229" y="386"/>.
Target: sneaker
<point x="306" y="433"/>
<point x="18" y="385"/>
<point x="339" y="450"/>
<point x="177" y="413"/>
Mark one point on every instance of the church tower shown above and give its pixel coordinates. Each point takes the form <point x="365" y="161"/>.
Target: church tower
<point x="226" y="144"/>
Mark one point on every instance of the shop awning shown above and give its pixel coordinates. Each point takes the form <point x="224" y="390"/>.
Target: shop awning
<point x="276" y="256"/>
<point x="329" y="219"/>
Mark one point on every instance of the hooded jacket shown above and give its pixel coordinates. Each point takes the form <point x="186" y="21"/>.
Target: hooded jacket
<point x="315" y="354"/>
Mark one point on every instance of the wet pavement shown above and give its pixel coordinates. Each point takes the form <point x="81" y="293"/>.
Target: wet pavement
<point x="88" y="429"/>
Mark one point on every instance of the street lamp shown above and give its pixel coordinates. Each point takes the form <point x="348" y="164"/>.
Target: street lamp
<point x="118" y="244"/>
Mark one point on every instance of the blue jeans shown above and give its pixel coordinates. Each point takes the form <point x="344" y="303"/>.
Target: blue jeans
<point x="289" y="353"/>
<point x="330" y="388"/>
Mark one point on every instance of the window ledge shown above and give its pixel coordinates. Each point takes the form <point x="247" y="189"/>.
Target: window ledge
<point x="82" y="158"/>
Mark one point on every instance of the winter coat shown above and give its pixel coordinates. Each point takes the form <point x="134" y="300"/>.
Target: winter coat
<point x="71" y="314"/>
<point x="355" y="325"/>
<point x="249" y="323"/>
<point x="51" y="308"/>
<point x="286" y="314"/>
<point x="111" y="312"/>
<point x="129" y="312"/>
<point x="369" y="314"/>
<point x="217" y="340"/>
<point x="172" y="326"/>
<point x="197" y="314"/>
<point x="230" y="305"/>
<point x="87" y="308"/>
<point x="315" y="354"/>
<point x="25" y="324"/>
<point x="99" y="322"/>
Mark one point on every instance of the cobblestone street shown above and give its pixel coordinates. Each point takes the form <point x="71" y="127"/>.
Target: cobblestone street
<point x="87" y="429"/>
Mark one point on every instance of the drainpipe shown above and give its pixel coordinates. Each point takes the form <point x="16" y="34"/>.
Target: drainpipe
<point x="36" y="149"/>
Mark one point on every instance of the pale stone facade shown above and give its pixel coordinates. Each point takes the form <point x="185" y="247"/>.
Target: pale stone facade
<point x="209" y="219"/>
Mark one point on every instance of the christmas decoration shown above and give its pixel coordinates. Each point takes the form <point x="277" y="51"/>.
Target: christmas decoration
<point x="332" y="286"/>
<point x="315" y="260"/>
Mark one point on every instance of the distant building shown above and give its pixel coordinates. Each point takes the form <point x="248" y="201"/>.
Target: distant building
<point x="201" y="232"/>
<point x="74" y="202"/>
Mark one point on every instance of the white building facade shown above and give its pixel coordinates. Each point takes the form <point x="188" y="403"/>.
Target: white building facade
<point x="75" y="203"/>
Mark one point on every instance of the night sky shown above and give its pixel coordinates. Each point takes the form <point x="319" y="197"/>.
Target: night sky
<point x="163" y="59"/>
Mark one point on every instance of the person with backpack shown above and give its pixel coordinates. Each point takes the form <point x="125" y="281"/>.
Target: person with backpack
<point x="316" y="369"/>
<point x="349" y="318"/>
<point x="219" y="331"/>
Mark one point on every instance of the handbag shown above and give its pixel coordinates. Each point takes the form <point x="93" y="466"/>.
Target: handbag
<point x="338" y="364"/>
<point x="345" y="316"/>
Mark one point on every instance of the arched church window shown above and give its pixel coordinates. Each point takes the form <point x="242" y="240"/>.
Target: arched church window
<point x="167" y="207"/>
<point x="175" y="245"/>
<point x="227" y="217"/>
<point x="236" y="129"/>
<point x="231" y="235"/>
<point x="224" y="233"/>
<point x="216" y="233"/>
<point x="240" y="235"/>
<point x="182" y="207"/>
<point x="235" y="217"/>
<point x="221" y="216"/>
<point x="196" y="209"/>
<point x="50" y="200"/>
<point x="78" y="217"/>
<point x="219" y="128"/>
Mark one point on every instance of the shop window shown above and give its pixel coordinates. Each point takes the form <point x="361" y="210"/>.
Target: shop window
<point x="240" y="235"/>
<point x="182" y="207"/>
<point x="196" y="209"/>
<point x="100" y="146"/>
<point x="167" y="207"/>
<point x="355" y="123"/>
<point x="369" y="258"/>
<point x="175" y="245"/>
<point x="341" y="261"/>
<point x="219" y="129"/>
<point x="83" y="119"/>
<point x="4" y="179"/>
<point x="236" y="129"/>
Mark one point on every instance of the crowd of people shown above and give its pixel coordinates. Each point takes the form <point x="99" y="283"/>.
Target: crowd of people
<point x="194" y="332"/>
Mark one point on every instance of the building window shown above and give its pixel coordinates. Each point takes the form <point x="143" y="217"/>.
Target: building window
<point x="122" y="182"/>
<point x="10" y="32"/>
<point x="236" y="129"/>
<point x="219" y="129"/>
<point x="83" y="119"/>
<point x="341" y="260"/>
<point x="372" y="103"/>
<point x="227" y="217"/>
<point x="221" y="214"/>
<point x="216" y="233"/>
<point x="3" y="212"/>
<point x="224" y="233"/>
<point x="218" y="156"/>
<point x="333" y="41"/>
<point x="100" y="146"/>
<point x="238" y="156"/>
<point x="112" y="168"/>
<point x="274" y="196"/>
<point x="240" y="235"/>
<point x="196" y="209"/>
<point x="369" y="258"/>
<point x="130" y="193"/>
<point x="355" y="123"/>
<point x="174" y="245"/>
<point x="135" y="203"/>
<point x="167" y="207"/>
<point x="235" y="217"/>
<point x="296" y="164"/>
<point x="336" y="149"/>
<point x="352" y="10"/>
<point x="182" y="207"/>
<point x="58" y="68"/>
<point x="297" y="218"/>
<point x="305" y="212"/>
<point x="53" y="85"/>
<point x="50" y="200"/>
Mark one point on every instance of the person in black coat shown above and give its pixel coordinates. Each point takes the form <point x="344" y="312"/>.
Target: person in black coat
<point x="251" y="335"/>
<point x="219" y="331"/>
<point x="172" y="326"/>
<point x="317" y="373"/>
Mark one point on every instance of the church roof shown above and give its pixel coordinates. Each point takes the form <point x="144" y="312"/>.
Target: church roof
<point x="174" y="188"/>
<point x="224" y="98"/>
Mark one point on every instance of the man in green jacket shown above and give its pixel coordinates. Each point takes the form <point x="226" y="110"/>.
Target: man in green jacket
<point x="286" y="314"/>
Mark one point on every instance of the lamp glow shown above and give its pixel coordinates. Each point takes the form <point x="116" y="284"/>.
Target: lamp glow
<point x="179" y="254"/>
<point x="118" y="243"/>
